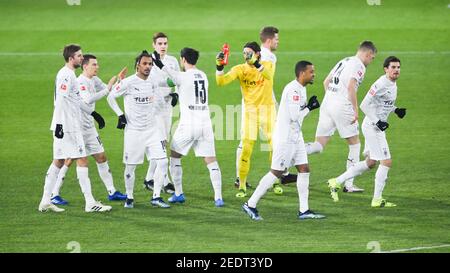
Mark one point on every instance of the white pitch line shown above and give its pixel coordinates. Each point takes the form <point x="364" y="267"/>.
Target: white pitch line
<point x="132" y="53"/>
<point x="414" y="248"/>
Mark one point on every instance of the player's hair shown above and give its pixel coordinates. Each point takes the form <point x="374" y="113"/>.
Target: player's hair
<point x="367" y="45"/>
<point x="70" y="50"/>
<point x="389" y="60"/>
<point x="301" y="67"/>
<point x="86" y="58"/>
<point x="254" y="46"/>
<point x="267" y="33"/>
<point x="159" y="35"/>
<point x="144" y="53"/>
<point x="191" y="55"/>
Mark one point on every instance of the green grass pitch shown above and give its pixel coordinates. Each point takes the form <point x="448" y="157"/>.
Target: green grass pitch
<point x="32" y="34"/>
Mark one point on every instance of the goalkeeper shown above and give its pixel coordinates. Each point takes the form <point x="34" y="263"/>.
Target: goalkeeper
<point x="256" y="81"/>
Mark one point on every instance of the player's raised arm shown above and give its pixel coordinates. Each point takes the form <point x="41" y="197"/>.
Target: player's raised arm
<point x="118" y="90"/>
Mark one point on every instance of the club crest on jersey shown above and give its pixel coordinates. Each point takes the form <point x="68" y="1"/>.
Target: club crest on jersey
<point x="63" y="87"/>
<point x="83" y="88"/>
<point x="117" y="87"/>
<point x="372" y="92"/>
<point x="296" y="97"/>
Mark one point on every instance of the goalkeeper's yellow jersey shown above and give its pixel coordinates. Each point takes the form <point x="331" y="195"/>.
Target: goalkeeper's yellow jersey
<point x="256" y="87"/>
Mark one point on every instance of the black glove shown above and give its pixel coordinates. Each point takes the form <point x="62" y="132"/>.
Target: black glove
<point x="122" y="122"/>
<point x="382" y="125"/>
<point x="313" y="103"/>
<point x="401" y="112"/>
<point x="59" y="133"/>
<point x="219" y="59"/>
<point x="174" y="99"/>
<point x="157" y="59"/>
<point x="99" y="119"/>
<point x="257" y="64"/>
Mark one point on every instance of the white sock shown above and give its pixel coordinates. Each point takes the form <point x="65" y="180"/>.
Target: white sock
<point x="160" y="176"/>
<point x="356" y="170"/>
<point x="50" y="180"/>
<point x="303" y="191"/>
<point x="59" y="180"/>
<point x="176" y="172"/>
<point x="380" y="180"/>
<point x="106" y="176"/>
<point x="151" y="170"/>
<point x="313" y="147"/>
<point x="264" y="184"/>
<point x="353" y="158"/>
<point x="216" y="179"/>
<point x="85" y="184"/>
<point x="238" y="156"/>
<point x="129" y="180"/>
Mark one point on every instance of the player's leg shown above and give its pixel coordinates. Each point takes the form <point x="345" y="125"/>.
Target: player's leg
<point x="106" y="175"/>
<point x="354" y="148"/>
<point x="56" y="198"/>
<point x="244" y="166"/>
<point x="156" y="148"/>
<point x="50" y="180"/>
<point x="380" y="181"/>
<point x="216" y="179"/>
<point x="85" y="185"/>
<point x="239" y="147"/>
<point x="168" y="185"/>
<point x="129" y="177"/>
<point x="149" y="181"/>
<point x="303" y="193"/>
<point x="180" y="146"/>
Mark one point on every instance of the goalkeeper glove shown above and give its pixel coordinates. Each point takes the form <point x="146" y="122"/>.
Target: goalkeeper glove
<point x="157" y="60"/>
<point x="174" y="99"/>
<point x="122" y="122"/>
<point x="252" y="59"/>
<point x="99" y="119"/>
<point x="59" y="133"/>
<point x="382" y="125"/>
<point x="220" y="61"/>
<point x="401" y="112"/>
<point x="313" y="103"/>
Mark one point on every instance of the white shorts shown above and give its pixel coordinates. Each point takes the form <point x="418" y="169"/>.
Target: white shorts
<point x="139" y="143"/>
<point x="337" y="116"/>
<point x="200" y="138"/>
<point x="375" y="141"/>
<point x="70" y="146"/>
<point x="92" y="142"/>
<point x="286" y="155"/>
<point x="164" y="120"/>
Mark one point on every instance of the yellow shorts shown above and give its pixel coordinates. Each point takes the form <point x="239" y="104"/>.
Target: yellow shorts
<point x="255" y="118"/>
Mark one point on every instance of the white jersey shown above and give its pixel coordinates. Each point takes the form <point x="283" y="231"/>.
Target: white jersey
<point x="68" y="103"/>
<point x="291" y="114"/>
<point x="193" y="95"/>
<point x="160" y="76"/>
<point x="267" y="55"/>
<point x="91" y="90"/>
<point x="140" y="99"/>
<point x="380" y="100"/>
<point x="340" y="76"/>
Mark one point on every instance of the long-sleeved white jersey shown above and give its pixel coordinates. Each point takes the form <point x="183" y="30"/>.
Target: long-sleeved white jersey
<point x="140" y="100"/>
<point x="341" y="74"/>
<point x="91" y="90"/>
<point x="67" y="102"/>
<point x="160" y="76"/>
<point x="193" y="95"/>
<point x="291" y="114"/>
<point x="380" y="100"/>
